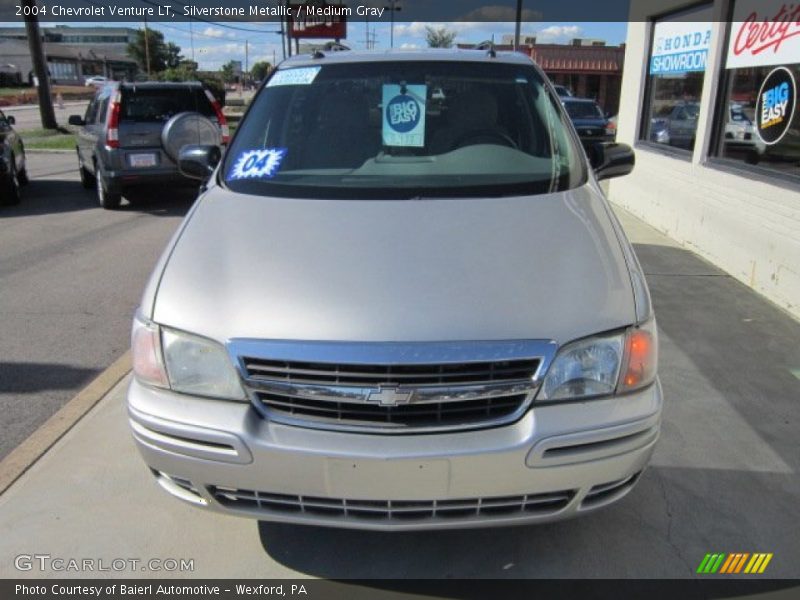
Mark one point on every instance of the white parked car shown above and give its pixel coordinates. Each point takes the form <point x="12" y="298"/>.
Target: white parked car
<point x="740" y="132"/>
<point x="96" y="80"/>
<point x="381" y="317"/>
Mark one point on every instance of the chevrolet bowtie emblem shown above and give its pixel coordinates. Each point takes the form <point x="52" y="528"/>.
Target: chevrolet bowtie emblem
<point x="390" y="396"/>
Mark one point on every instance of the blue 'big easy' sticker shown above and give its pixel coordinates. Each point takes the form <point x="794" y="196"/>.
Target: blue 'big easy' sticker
<point x="262" y="164"/>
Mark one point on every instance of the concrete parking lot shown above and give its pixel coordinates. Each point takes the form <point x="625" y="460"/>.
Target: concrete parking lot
<point x="724" y="477"/>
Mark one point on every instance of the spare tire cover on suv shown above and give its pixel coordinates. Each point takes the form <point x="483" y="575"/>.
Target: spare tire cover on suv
<point x="188" y="128"/>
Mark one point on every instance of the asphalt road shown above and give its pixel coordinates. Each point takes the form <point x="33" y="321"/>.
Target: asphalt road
<point x="27" y="117"/>
<point x="71" y="276"/>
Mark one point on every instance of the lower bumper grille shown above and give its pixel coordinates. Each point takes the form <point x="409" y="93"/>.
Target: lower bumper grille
<point x="458" y="413"/>
<point x="536" y="504"/>
<point x="600" y="494"/>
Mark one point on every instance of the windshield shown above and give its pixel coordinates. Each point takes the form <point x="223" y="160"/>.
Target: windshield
<point x="583" y="110"/>
<point x="403" y="130"/>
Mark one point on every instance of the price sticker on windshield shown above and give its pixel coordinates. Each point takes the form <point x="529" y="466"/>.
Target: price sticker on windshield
<point x="404" y="115"/>
<point x="261" y="164"/>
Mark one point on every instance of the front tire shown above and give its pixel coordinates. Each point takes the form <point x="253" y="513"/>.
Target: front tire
<point x="105" y="198"/>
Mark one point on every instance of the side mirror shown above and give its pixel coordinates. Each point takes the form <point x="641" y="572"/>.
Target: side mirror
<point x="76" y="120"/>
<point x="10" y="119"/>
<point x="198" y="161"/>
<point x="610" y="159"/>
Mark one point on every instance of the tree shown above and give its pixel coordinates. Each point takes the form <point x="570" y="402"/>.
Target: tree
<point x="162" y="55"/>
<point x="440" y="37"/>
<point x="260" y="70"/>
<point x="185" y="71"/>
<point x="228" y="71"/>
<point x="173" y="58"/>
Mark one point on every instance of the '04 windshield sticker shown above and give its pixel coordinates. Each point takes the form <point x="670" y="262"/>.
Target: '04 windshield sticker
<point x="261" y="164"/>
<point x="404" y="115"/>
<point x="301" y="76"/>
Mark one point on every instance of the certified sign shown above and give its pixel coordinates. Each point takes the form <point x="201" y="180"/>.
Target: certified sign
<point x="775" y="105"/>
<point x="404" y="115"/>
<point x="764" y="33"/>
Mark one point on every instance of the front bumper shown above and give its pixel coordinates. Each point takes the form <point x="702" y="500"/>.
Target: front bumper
<point x="555" y="462"/>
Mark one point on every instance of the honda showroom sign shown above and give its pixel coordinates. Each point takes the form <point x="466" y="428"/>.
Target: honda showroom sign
<point x="764" y="33"/>
<point x="680" y="47"/>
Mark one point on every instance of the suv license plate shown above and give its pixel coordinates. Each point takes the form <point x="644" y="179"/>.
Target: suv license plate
<point x="142" y="160"/>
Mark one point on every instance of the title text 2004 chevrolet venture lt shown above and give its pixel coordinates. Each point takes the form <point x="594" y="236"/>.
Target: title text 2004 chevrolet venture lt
<point x="401" y="302"/>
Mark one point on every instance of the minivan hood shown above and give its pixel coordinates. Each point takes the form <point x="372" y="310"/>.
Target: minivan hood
<point x="537" y="267"/>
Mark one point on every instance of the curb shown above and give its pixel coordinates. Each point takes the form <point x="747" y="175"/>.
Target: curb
<point x="49" y="151"/>
<point x="35" y="105"/>
<point x="24" y="456"/>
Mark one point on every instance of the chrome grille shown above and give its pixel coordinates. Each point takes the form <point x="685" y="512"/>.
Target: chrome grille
<point x="464" y="373"/>
<point x="392" y="387"/>
<point x="465" y="412"/>
<point x="499" y="506"/>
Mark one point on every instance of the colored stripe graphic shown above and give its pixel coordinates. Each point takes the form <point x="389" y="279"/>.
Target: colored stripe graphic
<point x="754" y="563"/>
<point x="740" y="564"/>
<point x="715" y="565"/>
<point x="703" y="563"/>
<point x="734" y="563"/>
<point x="765" y="563"/>
<point x="727" y="565"/>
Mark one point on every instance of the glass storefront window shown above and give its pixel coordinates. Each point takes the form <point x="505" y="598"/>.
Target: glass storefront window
<point x="676" y="68"/>
<point x="759" y="123"/>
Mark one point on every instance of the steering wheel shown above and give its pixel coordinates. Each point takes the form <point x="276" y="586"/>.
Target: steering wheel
<point x="485" y="136"/>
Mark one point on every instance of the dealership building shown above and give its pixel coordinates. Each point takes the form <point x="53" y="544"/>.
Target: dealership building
<point x="708" y="100"/>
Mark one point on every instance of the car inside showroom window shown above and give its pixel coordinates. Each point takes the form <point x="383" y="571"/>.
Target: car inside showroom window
<point x="758" y="124"/>
<point x="676" y="67"/>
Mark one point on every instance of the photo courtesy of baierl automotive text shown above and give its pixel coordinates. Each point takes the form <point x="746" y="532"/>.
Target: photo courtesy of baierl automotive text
<point x="371" y="294"/>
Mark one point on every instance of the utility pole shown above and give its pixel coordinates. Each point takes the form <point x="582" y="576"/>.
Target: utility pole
<point x="518" y="25"/>
<point x="46" y="111"/>
<point x="191" y="37"/>
<point x="392" y="8"/>
<point x="246" y="60"/>
<point x="147" y="47"/>
<point x="288" y="30"/>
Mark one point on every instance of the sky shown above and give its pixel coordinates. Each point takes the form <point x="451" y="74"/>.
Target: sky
<point x="212" y="44"/>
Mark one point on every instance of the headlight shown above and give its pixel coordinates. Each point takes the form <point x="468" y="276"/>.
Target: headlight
<point x="148" y="363"/>
<point x="185" y="363"/>
<point x="584" y="368"/>
<point x="603" y="365"/>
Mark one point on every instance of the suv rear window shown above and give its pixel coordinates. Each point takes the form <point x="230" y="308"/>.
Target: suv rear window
<point x="158" y="105"/>
<point x="404" y="129"/>
<point x="583" y="110"/>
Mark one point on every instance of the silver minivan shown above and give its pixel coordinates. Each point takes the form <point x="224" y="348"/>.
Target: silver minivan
<point x="401" y="301"/>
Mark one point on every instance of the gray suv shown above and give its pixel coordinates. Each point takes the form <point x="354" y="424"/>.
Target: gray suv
<point x="401" y="301"/>
<point x="120" y="141"/>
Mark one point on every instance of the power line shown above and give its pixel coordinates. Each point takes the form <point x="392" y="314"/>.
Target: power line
<point x="195" y="18"/>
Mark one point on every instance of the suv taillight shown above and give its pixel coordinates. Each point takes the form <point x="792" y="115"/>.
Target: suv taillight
<point x="223" y="122"/>
<point x="112" y="128"/>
